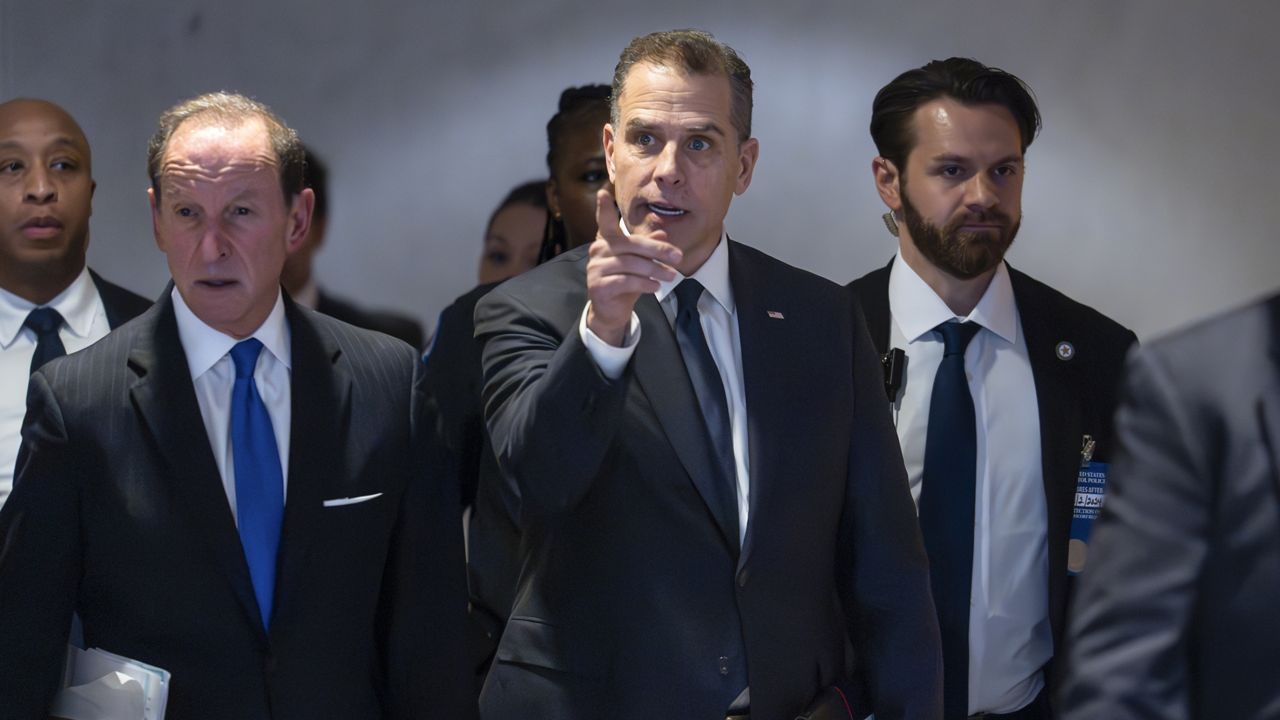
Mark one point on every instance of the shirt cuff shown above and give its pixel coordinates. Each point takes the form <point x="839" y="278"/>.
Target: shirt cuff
<point x="610" y="359"/>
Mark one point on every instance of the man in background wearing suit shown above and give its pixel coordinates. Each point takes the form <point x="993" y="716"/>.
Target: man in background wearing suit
<point x="299" y="280"/>
<point x="1006" y="380"/>
<point x="230" y="487"/>
<point x="711" y="498"/>
<point x="1176" y="617"/>
<point x="50" y="302"/>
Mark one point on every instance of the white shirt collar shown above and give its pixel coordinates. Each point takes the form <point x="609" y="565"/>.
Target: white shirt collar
<point x="917" y="309"/>
<point x="714" y="276"/>
<point x="205" y="346"/>
<point x="76" y="304"/>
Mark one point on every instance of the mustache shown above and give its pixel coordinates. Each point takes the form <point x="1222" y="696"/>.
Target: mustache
<point x="987" y="217"/>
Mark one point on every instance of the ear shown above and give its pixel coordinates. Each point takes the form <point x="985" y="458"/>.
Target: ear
<point x="553" y="197"/>
<point x="608" y="152"/>
<point x="888" y="182"/>
<point x="155" y="218"/>
<point x="748" y="154"/>
<point x="299" y="219"/>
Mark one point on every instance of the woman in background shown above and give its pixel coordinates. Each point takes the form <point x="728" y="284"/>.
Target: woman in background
<point x="575" y="161"/>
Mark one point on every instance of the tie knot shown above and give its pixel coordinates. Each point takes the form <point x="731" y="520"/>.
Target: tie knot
<point x="43" y="320"/>
<point x="687" y="294"/>
<point x="956" y="336"/>
<point x="245" y="356"/>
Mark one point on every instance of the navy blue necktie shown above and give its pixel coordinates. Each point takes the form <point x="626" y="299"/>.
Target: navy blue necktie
<point x="45" y="323"/>
<point x="709" y="390"/>
<point x="946" y="510"/>
<point x="259" y="479"/>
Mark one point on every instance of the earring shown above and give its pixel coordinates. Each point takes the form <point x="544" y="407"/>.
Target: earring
<point x="890" y="223"/>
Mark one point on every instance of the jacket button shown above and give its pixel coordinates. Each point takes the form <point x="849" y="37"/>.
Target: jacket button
<point x="724" y="665"/>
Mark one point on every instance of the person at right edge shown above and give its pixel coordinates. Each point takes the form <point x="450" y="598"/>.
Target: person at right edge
<point x="1004" y="409"/>
<point x="711" y="499"/>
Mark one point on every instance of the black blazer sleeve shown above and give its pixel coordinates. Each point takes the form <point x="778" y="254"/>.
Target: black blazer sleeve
<point x="551" y="413"/>
<point x="883" y="573"/>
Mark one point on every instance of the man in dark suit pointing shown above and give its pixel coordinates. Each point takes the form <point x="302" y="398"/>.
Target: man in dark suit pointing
<point x="1009" y="385"/>
<point x="230" y="486"/>
<point x="710" y="495"/>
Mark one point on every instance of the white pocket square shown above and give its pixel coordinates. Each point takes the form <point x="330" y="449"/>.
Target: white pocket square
<point x="339" y="502"/>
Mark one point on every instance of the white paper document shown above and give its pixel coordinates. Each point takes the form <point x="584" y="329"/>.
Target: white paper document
<point x="98" y="685"/>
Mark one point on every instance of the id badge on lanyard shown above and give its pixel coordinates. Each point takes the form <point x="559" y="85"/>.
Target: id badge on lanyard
<point x="1091" y="485"/>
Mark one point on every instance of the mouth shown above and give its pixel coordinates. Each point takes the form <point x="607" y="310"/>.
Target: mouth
<point x="664" y="210"/>
<point x="216" y="283"/>
<point x="41" y="227"/>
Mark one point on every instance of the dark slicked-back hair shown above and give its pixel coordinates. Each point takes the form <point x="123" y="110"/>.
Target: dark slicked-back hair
<point x="229" y="109"/>
<point x="577" y="104"/>
<point x="962" y="79"/>
<point x="316" y="177"/>
<point x="693" y="52"/>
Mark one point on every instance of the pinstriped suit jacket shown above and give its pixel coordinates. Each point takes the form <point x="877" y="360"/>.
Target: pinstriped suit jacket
<point x="120" y="515"/>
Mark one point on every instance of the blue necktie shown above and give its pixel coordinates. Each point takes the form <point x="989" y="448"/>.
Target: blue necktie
<point x="946" y="510"/>
<point x="45" y="323"/>
<point x="709" y="390"/>
<point x="259" y="480"/>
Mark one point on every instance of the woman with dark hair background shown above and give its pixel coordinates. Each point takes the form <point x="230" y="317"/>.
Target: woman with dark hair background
<point x="575" y="161"/>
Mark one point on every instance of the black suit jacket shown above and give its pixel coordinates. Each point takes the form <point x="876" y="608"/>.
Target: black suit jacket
<point x="120" y="515"/>
<point x="453" y="386"/>
<point x="1177" y="615"/>
<point x="393" y="324"/>
<point x="121" y="305"/>
<point x="1077" y="397"/>
<point x="631" y="585"/>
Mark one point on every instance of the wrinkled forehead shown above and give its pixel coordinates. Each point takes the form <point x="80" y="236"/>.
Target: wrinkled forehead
<point x="218" y="152"/>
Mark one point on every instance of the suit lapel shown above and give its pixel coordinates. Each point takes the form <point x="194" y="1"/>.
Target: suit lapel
<point x="873" y="294"/>
<point x="164" y="396"/>
<point x="1060" y="434"/>
<point x="660" y="369"/>
<point x="320" y="417"/>
<point x="765" y="363"/>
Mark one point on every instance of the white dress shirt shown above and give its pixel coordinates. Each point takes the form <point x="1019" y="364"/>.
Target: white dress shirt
<point x="719" y="317"/>
<point x="85" y="323"/>
<point x="213" y="373"/>
<point x="1009" y="633"/>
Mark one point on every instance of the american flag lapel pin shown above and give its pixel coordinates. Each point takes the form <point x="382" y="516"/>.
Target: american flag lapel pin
<point x="774" y="314"/>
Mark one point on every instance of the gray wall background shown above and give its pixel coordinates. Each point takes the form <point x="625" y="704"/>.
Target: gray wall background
<point x="1151" y="193"/>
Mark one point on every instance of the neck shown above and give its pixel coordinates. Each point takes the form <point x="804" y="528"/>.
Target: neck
<point x="696" y="256"/>
<point x="40" y="285"/>
<point x="960" y="294"/>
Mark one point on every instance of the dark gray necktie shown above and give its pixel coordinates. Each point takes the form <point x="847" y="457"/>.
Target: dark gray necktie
<point x="45" y="323"/>
<point x="709" y="390"/>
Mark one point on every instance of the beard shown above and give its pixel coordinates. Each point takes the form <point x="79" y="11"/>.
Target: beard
<point x="962" y="254"/>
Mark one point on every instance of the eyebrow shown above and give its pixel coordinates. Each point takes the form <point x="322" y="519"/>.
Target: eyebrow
<point x="639" y="125"/>
<point x="961" y="159"/>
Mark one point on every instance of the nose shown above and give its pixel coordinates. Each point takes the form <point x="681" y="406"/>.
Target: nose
<point x="39" y="187"/>
<point x="213" y="244"/>
<point x="980" y="193"/>
<point x="667" y="168"/>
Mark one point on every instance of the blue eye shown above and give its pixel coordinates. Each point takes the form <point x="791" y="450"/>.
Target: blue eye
<point x="644" y="139"/>
<point x="699" y="144"/>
